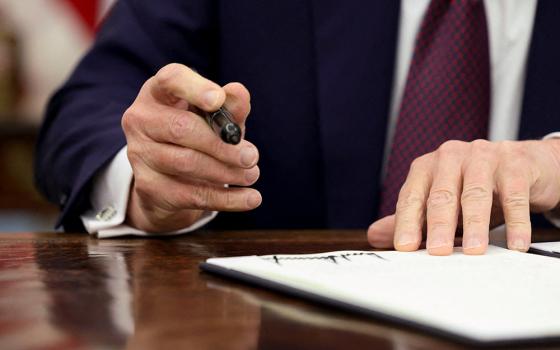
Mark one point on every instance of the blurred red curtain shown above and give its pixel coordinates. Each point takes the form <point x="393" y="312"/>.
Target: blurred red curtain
<point x="87" y="10"/>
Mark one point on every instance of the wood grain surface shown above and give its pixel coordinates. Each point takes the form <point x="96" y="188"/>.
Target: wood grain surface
<point x="72" y="291"/>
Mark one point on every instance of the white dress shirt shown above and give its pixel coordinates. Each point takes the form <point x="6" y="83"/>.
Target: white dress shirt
<point x="510" y="26"/>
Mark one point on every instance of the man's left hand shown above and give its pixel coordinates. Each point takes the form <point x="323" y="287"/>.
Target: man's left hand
<point x="476" y="185"/>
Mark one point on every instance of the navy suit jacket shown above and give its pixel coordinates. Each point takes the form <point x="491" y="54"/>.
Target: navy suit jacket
<point x="320" y="73"/>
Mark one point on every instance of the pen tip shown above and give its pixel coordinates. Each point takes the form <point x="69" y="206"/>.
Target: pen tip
<point x="231" y="134"/>
<point x="234" y="139"/>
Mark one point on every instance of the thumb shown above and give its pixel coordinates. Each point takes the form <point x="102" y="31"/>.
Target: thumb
<point x="380" y="233"/>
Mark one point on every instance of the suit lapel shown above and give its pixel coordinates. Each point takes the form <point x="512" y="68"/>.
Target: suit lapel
<point x="540" y="113"/>
<point x="355" y="43"/>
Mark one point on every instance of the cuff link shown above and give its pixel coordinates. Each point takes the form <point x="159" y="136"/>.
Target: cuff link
<point x="106" y="214"/>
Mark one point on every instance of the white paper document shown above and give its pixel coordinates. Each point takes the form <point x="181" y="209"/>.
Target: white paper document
<point x="501" y="296"/>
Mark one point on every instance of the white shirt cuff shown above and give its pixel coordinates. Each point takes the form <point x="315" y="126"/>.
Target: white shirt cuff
<point x="109" y="200"/>
<point x="553" y="216"/>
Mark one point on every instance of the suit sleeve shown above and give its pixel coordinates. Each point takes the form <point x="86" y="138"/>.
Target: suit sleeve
<point x="82" y="131"/>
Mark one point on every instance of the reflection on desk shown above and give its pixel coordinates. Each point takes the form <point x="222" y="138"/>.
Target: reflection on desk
<point x="70" y="291"/>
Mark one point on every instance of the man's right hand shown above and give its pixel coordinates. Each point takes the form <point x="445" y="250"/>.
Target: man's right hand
<point x="180" y="165"/>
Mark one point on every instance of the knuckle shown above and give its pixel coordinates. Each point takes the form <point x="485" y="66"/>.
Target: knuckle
<point x="473" y="219"/>
<point x="185" y="160"/>
<point x="409" y="199"/>
<point x="421" y="164"/>
<point x="130" y="152"/>
<point x="180" y="126"/>
<point x="513" y="149"/>
<point x="515" y="170"/>
<point x="522" y="152"/>
<point x="133" y="154"/>
<point x="439" y="224"/>
<point x="516" y="223"/>
<point x="418" y="164"/>
<point x="451" y="147"/>
<point x="167" y="74"/>
<point x="515" y="200"/>
<point x="129" y="118"/>
<point x="519" y="151"/>
<point x="481" y="146"/>
<point x="506" y="144"/>
<point x="407" y="222"/>
<point x="200" y="197"/>
<point x="475" y="193"/>
<point x="229" y="200"/>
<point x="143" y="189"/>
<point x="440" y="198"/>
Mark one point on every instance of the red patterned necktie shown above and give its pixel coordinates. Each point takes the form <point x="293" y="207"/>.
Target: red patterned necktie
<point x="447" y="93"/>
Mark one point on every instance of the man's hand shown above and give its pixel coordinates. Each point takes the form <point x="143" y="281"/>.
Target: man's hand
<point x="180" y="166"/>
<point x="481" y="184"/>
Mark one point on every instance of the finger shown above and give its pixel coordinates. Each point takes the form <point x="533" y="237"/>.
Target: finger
<point x="188" y="163"/>
<point x="514" y="190"/>
<point x="150" y="218"/>
<point x="443" y="201"/>
<point x="476" y="197"/>
<point x="218" y="198"/>
<point x="177" y="81"/>
<point x="184" y="128"/>
<point x="411" y="204"/>
<point x="238" y="102"/>
<point x="380" y="233"/>
<point x="170" y="194"/>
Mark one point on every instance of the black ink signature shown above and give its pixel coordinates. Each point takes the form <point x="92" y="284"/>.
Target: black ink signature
<point x="331" y="258"/>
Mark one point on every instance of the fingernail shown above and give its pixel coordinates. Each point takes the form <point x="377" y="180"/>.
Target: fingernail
<point x="211" y="98"/>
<point x="248" y="156"/>
<point x="254" y="200"/>
<point x="252" y="175"/>
<point x="519" y="244"/>
<point x="406" y="239"/>
<point x="472" y="243"/>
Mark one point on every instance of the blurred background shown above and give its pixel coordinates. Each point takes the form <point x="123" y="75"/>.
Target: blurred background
<point x="40" y="42"/>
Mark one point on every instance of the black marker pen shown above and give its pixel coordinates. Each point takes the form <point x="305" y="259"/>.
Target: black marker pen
<point x="222" y="124"/>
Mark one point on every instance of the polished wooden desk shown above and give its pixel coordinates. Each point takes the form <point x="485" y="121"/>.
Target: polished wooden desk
<point x="71" y="291"/>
